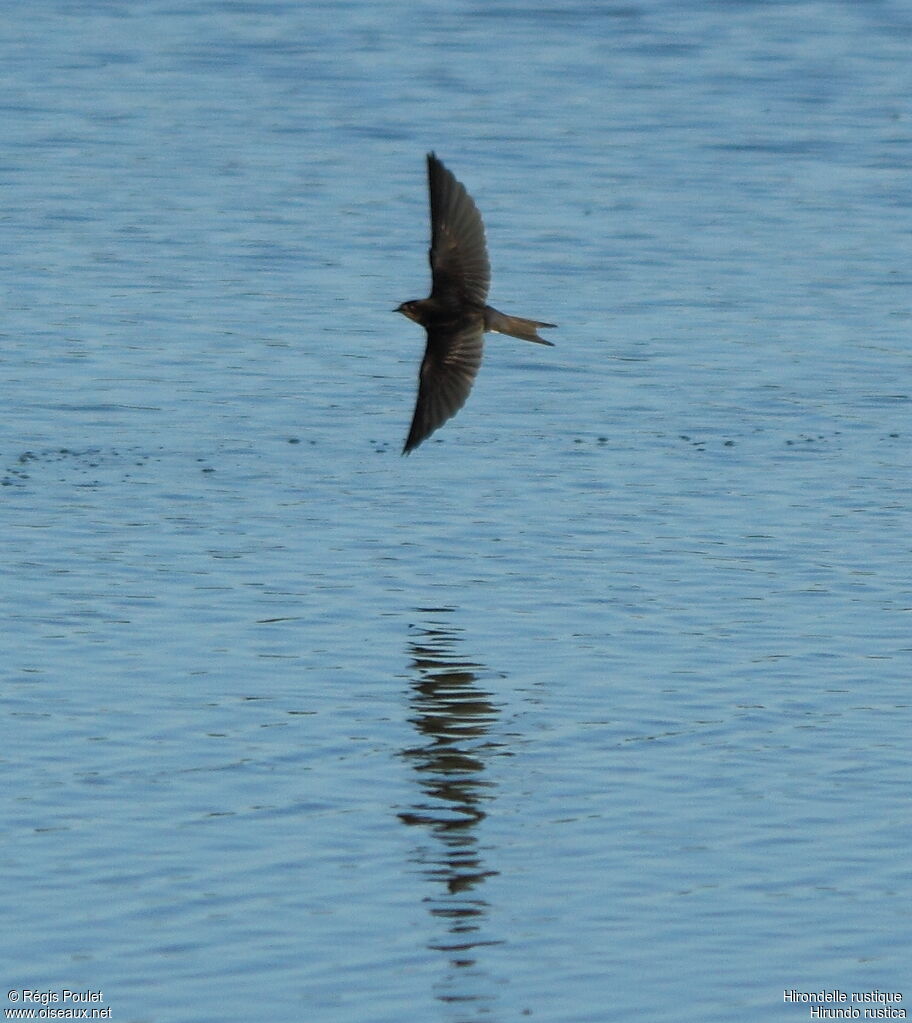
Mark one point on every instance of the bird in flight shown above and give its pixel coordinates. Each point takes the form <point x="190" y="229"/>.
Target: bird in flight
<point x="455" y="314"/>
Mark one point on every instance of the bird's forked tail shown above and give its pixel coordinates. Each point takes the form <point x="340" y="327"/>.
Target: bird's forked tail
<point x="516" y="326"/>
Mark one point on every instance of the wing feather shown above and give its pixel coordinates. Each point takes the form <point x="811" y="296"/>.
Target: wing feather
<point x="451" y="362"/>
<point x="459" y="257"/>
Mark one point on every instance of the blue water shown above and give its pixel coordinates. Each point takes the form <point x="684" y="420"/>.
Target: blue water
<point x="597" y="705"/>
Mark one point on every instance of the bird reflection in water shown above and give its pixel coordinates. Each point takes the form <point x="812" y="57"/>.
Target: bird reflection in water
<point x="453" y="717"/>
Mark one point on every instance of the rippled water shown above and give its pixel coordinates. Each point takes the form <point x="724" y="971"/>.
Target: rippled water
<point x="596" y="706"/>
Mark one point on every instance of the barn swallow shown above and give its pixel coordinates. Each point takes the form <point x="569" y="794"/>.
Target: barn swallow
<point x="455" y="314"/>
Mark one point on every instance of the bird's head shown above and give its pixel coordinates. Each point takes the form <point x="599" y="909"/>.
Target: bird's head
<point x="408" y="309"/>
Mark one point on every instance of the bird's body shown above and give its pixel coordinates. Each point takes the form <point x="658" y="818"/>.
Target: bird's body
<point x="456" y="314"/>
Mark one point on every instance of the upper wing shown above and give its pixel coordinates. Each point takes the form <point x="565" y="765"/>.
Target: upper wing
<point x="459" y="258"/>
<point x="448" y="370"/>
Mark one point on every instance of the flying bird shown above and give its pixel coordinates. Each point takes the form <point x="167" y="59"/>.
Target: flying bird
<point x="455" y="314"/>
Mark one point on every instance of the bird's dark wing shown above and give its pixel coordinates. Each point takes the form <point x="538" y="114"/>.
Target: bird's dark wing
<point x="448" y="370"/>
<point x="459" y="258"/>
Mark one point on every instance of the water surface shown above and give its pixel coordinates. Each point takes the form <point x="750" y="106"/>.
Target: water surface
<point x="596" y="706"/>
